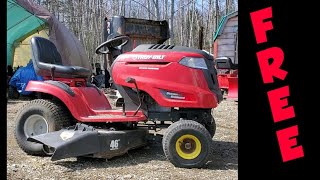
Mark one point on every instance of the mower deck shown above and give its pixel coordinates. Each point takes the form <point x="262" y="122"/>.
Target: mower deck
<point x="84" y="140"/>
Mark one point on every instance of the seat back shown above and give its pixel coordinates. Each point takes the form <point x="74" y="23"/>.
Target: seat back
<point x="46" y="59"/>
<point x="44" y="54"/>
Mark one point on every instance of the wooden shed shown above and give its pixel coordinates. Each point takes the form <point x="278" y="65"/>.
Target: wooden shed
<point x="225" y="41"/>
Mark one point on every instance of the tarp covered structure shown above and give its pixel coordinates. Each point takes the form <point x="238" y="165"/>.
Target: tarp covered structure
<point x="20" y="25"/>
<point x="22" y="52"/>
<point x="24" y="18"/>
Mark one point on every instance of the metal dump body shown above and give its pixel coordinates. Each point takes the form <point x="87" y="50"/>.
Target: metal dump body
<point x="140" y="31"/>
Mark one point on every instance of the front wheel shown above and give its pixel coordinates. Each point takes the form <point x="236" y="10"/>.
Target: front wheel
<point x="38" y="117"/>
<point x="187" y="144"/>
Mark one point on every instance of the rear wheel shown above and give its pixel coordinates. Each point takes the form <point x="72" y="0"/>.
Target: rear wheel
<point x="38" y="117"/>
<point x="187" y="144"/>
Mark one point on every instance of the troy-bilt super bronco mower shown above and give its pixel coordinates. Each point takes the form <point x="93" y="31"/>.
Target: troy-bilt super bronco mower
<point x="159" y="83"/>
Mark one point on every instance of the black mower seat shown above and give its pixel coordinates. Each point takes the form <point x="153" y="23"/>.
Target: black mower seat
<point x="46" y="57"/>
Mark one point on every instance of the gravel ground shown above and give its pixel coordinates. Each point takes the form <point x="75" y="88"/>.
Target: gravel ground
<point x="144" y="163"/>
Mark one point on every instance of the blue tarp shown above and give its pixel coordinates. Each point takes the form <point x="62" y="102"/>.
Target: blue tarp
<point x="22" y="76"/>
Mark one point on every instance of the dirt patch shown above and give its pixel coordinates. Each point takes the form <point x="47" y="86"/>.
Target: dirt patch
<point x="145" y="163"/>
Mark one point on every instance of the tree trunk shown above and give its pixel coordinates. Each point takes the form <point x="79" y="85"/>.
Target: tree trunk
<point x="181" y="17"/>
<point x="130" y="8"/>
<point x="191" y="25"/>
<point x="171" y="23"/>
<point x="123" y="7"/>
<point x="166" y="10"/>
<point x="216" y="16"/>
<point x="227" y="7"/>
<point x="149" y="9"/>
<point x="157" y="9"/>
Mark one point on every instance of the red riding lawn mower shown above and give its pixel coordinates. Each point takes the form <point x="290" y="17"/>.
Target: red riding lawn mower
<point x="173" y="87"/>
<point x="227" y="77"/>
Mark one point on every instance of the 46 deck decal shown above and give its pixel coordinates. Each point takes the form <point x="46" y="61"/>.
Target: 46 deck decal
<point x="114" y="144"/>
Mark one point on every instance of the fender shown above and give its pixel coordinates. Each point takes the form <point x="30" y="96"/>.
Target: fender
<point x="81" y="101"/>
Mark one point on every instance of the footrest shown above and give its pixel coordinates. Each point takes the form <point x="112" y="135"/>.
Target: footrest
<point x="108" y="116"/>
<point x="115" y="117"/>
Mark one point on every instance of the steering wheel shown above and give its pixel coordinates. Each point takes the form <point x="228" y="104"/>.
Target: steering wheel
<point x="114" y="42"/>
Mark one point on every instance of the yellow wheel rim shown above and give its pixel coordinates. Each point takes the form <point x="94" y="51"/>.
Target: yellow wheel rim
<point x="188" y="146"/>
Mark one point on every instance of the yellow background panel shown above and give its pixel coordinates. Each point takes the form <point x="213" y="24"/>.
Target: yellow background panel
<point x="22" y="53"/>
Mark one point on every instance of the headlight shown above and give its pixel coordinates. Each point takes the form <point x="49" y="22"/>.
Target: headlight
<point x="194" y="62"/>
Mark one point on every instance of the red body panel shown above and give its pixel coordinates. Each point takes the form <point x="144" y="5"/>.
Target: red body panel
<point x="229" y="82"/>
<point x="161" y="71"/>
<point x="233" y="88"/>
<point x="154" y="72"/>
<point x="87" y="105"/>
<point x="223" y="81"/>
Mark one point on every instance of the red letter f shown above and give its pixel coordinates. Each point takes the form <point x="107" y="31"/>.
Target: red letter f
<point x="259" y="26"/>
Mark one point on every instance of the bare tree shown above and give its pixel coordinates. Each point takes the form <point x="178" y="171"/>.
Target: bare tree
<point x="85" y="18"/>
<point x="157" y="8"/>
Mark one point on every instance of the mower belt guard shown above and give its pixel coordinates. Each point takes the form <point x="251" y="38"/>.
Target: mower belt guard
<point x="84" y="140"/>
